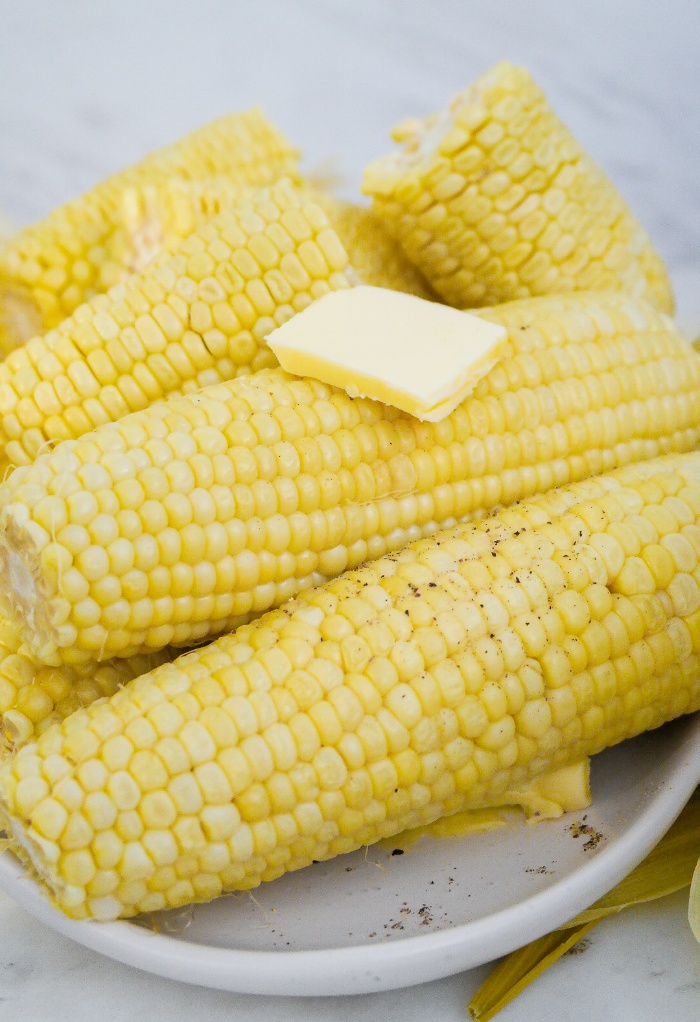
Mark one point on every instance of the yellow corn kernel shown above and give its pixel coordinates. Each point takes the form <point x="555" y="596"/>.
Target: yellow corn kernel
<point x="78" y="251"/>
<point x="494" y="199"/>
<point x="111" y="817"/>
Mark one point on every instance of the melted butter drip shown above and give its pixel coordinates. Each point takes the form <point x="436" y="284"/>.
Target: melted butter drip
<point x="547" y="797"/>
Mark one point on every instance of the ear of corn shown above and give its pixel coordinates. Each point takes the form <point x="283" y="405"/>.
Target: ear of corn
<point x="49" y="268"/>
<point x="433" y="680"/>
<point x="195" y="316"/>
<point x="33" y="696"/>
<point x="174" y="523"/>
<point x="157" y="216"/>
<point x="494" y="200"/>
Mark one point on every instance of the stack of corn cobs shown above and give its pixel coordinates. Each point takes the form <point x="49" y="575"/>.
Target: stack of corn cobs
<point x="391" y="637"/>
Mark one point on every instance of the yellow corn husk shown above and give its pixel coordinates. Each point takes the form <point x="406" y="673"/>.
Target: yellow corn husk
<point x="156" y="217"/>
<point x="667" y="869"/>
<point x="521" y="968"/>
<point x="494" y="199"/>
<point x="195" y="316"/>
<point x="436" y="679"/>
<point x="34" y="696"/>
<point x="694" y="903"/>
<point x="50" y="268"/>
<point x="174" y="523"/>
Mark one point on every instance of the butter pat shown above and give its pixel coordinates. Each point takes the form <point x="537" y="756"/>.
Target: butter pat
<point x="419" y="356"/>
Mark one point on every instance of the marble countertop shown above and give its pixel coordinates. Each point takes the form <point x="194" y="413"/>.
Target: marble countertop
<point x="89" y="87"/>
<point x="641" y="966"/>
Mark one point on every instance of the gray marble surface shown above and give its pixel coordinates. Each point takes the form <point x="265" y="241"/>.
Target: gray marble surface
<point x="87" y="87"/>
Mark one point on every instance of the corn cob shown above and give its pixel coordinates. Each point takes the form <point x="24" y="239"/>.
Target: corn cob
<point x="157" y="216"/>
<point x="51" y="267"/>
<point x="33" y="696"/>
<point x="195" y="316"/>
<point x="176" y="522"/>
<point x="494" y="199"/>
<point x="439" y="678"/>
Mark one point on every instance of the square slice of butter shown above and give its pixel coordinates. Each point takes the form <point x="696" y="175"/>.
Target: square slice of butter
<point x="419" y="356"/>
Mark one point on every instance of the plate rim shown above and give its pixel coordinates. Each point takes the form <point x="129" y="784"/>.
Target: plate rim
<point x="369" y="967"/>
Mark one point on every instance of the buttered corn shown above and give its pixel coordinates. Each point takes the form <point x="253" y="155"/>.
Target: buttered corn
<point x="437" y="678"/>
<point x="176" y="522"/>
<point x="494" y="199"/>
<point x="195" y="316"/>
<point x="49" y="268"/>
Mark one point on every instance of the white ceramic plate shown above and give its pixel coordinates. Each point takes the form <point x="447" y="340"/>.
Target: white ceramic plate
<point x="374" y="921"/>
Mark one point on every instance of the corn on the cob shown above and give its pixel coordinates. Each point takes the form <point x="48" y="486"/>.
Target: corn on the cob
<point x="494" y="200"/>
<point x="156" y="217"/>
<point x="51" y="267"/>
<point x="438" y="678"/>
<point x="195" y="316"/>
<point x="33" y="696"/>
<point x="173" y="523"/>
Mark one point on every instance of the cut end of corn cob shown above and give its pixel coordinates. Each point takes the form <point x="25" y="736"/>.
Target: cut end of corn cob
<point x="493" y="199"/>
<point x="439" y="678"/>
<point x="20" y="317"/>
<point x="178" y="521"/>
<point x="76" y="251"/>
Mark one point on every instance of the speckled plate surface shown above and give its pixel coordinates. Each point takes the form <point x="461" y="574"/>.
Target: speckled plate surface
<point x="375" y="921"/>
